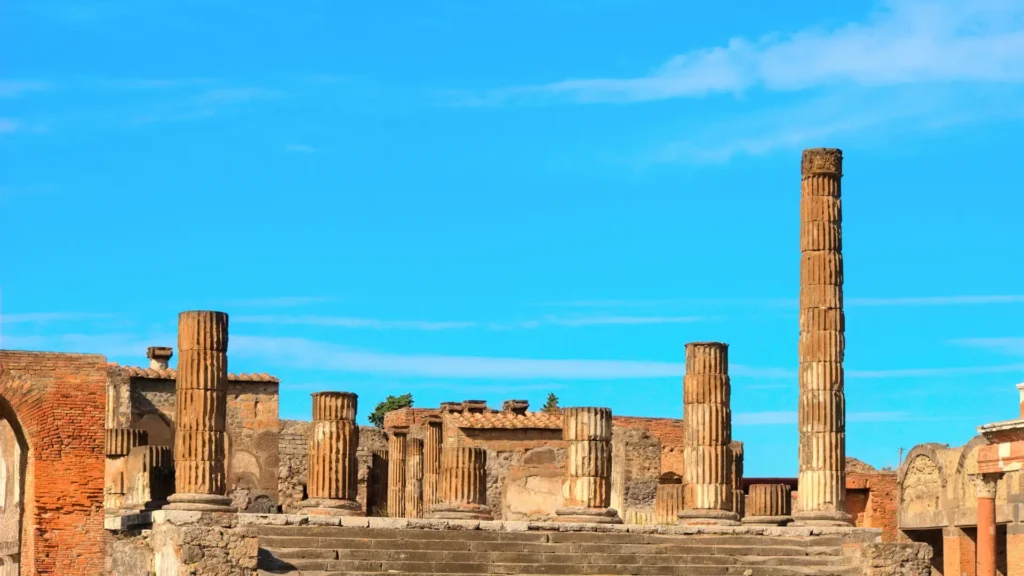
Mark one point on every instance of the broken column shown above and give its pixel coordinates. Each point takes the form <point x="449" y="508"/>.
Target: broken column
<point x="432" y="438"/>
<point x="587" y="493"/>
<point x="821" y="494"/>
<point x="668" y="499"/>
<point x="736" y="479"/>
<point x="463" y="494"/>
<point x="396" y="472"/>
<point x="199" y="452"/>
<point x="119" y="443"/>
<point x="769" y="504"/>
<point x="414" y="478"/>
<point x="707" y="433"/>
<point x="333" y="478"/>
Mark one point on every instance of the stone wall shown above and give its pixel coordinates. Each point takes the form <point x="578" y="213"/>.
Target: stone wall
<point x="55" y="405"/>
<point x="879" y="493"/>
<point x="636" y="468"/>
<point x="890" y="559"/>
<point x="293" y="450"/>
<point x="668" y="432"/>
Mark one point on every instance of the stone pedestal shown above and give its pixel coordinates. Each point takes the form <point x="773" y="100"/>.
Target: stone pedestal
<point x="414" y="478"/>
<point x="432" y="438"/>
<point x="463" y="485"/>
<point x="707" y="435"/>
<point x="587" y="492"/>
<point x="668" y="502"/>
<point x="396" y="472"/>
<point x="199" y="445"/>
<point x="821" y="499"/>
<point x="769" y="504"/>
<point x="333" y="479"/>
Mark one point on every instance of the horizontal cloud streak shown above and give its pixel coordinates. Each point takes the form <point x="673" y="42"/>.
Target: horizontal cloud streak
<point x="937" y="300"/>
<point x="1009" y="346"/>
<point x="790" y="417"/>
<point x="46" y="317"/>
<point x="347" y="322"/>
<point x="429" y="326"/>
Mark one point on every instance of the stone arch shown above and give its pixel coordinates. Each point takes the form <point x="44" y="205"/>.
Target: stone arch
<point x="967" y="466"/>
<point x="14" y="474"/>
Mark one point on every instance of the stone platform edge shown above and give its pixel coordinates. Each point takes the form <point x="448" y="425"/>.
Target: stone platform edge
<point x="177" y="517"/>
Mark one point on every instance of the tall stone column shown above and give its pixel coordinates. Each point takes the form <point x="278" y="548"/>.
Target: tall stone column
<point x="414" y="478"/>
<point x="707" y="434"/>
<point x="463" y="485"/>
<point x="199" y="470"/>
<point x="769" y="504"/>
<point x="432" y="439"/>
<point x="821" y="494"/>
<point x="396" y="472"/>
<point x="985" y="487"/>
<point x="668" y="499"/>
<point x="333" y="479"/>
<point x="587" y="492"/>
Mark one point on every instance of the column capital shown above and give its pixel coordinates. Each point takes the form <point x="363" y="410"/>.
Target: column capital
<point x="985" y="485"/>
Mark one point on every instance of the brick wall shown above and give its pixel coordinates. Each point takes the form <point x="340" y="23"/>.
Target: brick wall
<point x="1015" y="550"/>
<point x="880" y="507"/>
<point x="668" y="431"/>
<point x="58" y="402"/>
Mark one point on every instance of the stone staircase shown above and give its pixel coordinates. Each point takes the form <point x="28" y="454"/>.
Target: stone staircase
<point x="336" y="550"/>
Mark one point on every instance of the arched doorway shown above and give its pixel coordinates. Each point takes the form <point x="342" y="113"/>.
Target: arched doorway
<point x="13" y="458"/>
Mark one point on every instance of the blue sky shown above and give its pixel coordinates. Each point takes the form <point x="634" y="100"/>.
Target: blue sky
<point x="483" y="199"/>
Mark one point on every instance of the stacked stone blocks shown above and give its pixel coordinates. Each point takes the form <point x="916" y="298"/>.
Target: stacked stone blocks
<point x="769" y="504"/>
<point x="587" y="491"/>
<point x="333" y="476"/>
<point x="463" y="493"/>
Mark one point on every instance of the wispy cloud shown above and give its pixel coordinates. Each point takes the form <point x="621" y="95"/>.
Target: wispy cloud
<point x="903" y="42"/>
<point x="206" y="104"/>
<point x="153" y="83"/>
<point x="9" y="125"/>
<point x="425" y="325"/>
<point x="308" y="354"/>
<point x="1013" y="346"/>
<point x="110" y="345"/>
<point x="768" y="418"/>
<point x="935" y="372"/>
<point x="15" y="88"/>
<point x="300" y="148"/>
<point x="282" y="301"/>
<point x="624" y="320"/>
<point x="347" y="322"/>
<point x="49" y="317"/>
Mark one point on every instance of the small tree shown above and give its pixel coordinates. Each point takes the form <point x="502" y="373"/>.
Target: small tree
<point x="389" y="404"/>
<point x="552" y="404"/>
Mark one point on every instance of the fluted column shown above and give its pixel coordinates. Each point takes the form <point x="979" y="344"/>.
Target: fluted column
<point x="668" y="500"/>
<point x="821" y="494"/>
<point x="769" y="504"/>
<point x="377" y="496"/>
<point x="119" y="443"/>
<point x="463" y="494"/>
<point x="414" y="478"/>
<point x="707" y="433"/>
<point x="432" y="439"/>
<point x="199" y="470"/>
<point x="736" y="479"/>
<point x="587" y="490"/>
<point x="396" y="472"/>
<point x="333" y="478"/>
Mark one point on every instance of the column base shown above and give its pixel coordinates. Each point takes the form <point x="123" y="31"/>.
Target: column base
<point x="331" y="507"/>
<point x="460" y="512"/>
<point x="199" y="503"/>
<point x="767" y="520"/>
<point x="584" y="515"/>
<point x="708" y="518"/>
<point x="822" y="519"/>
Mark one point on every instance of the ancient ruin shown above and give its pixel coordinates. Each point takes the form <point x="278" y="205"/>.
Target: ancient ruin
<point x="121" y="470"/>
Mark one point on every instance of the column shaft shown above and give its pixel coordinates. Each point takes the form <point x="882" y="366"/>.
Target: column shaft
<point x="396" y="473"/>
<point x="821" y="498"/>
<point x="414" y="478"/>
<point x="201" y="421"/>
<point x="333" y="476"/>
<point x="707" y="435"/>
<point x="738" y="500"/>
<point x="668" y="503"/>
<point x="587" y="493"/>
<point x="986" y="490"/>
<point x="769" y="504"/>
<point x="431" y="463"/>
<point x="463" y="490"/>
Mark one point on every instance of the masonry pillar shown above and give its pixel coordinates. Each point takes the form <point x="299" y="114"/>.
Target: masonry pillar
<point x="769" y="504"/>
<point x="333" y="479"/>
<point x="199" y="453"/>
<point x="668" y="500"/>
<point x="587" y="491"/>
<point x="707" y="433"/>
<point x="821" y="496"/>
<point x="985" y="487"/>
<point x="736" y="478"/>
<point x="396" y="472"/>
<point x="958" y="553"/>
<point x="463" y="494"/>
<point x="377" y="504"/>
<point x="432" y="439"/>
<point x="1015" y="549"/>
<point x="414" y="478"/>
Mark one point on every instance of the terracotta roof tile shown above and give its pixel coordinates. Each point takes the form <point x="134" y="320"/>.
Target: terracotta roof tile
<point x="503" y="420"/>
<point x="170" y="373"/>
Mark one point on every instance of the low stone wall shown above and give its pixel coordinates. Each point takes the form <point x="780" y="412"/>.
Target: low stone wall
<point x="179" y="543"/>
<point x="892" y="559"/>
